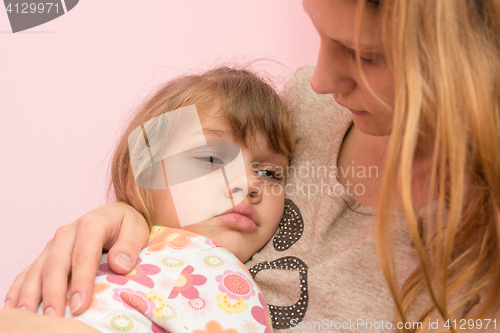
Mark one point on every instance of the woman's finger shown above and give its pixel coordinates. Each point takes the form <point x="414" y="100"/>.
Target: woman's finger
<point x="12" y="296"/>
<point x="77" y="248"/>
<point x="26" y="291"/>
<point x="117" y="226"/>
<point x="91" y="234"/>
<point x="133" y="236"/>
<point x="55" y="271"/>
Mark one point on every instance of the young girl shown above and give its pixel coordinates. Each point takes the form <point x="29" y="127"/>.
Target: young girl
<point x="184" y="280"/>
<point x="419" y="81"/>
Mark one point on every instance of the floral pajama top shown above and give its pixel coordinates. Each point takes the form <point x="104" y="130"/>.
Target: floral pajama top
<point x="182" y="282"/>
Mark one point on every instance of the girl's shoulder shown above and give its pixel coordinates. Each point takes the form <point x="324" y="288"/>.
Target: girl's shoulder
<point x="182" y="282"/>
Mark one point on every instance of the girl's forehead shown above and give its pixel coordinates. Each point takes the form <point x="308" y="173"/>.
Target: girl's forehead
<point x="212" y="117"/>
<point x="256" y="143"/>
<point x="216" y="125"/>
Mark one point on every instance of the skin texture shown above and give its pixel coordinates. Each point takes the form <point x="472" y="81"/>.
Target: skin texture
<point x="18" y="321"/>
<point x="364" y="145"/>
<point x="77" y="247"/>
<point x="265" y="193"/>
<point x="336" y="70"/>
<point x="337" y="73"/>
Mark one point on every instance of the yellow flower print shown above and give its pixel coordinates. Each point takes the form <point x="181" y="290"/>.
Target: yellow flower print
<point x="231" y="306"/>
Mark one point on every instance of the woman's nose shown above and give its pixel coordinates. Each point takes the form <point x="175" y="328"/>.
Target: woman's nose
<point x="332" y="71"/>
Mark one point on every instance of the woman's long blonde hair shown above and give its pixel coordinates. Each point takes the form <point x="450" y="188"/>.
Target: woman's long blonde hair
<point x="445" y="56"/>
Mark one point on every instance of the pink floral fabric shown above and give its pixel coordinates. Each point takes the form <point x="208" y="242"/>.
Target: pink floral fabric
<point x="186" y="284"/>
<point x="182" y="282"/>
<point x="139" y="274"/>
<point x="235" y="285"/>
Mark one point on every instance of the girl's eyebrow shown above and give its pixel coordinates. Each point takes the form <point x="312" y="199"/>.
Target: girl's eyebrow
<point x="218" y="133"/>
<point x="273" y="158"/>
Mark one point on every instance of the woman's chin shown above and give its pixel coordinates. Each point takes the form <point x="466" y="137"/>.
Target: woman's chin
<point x="372" y="129"/>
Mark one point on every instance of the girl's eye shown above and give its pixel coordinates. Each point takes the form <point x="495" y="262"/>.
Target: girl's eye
<point x="210" y="159"/>
<point x="269" y="174"/>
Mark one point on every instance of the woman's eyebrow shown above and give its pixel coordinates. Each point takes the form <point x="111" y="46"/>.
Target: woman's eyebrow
<point x="362" y="47"/>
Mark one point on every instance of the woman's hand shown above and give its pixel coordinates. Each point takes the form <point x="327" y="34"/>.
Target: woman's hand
<point x="19" y="321"/>
<point x="76" y="248"/>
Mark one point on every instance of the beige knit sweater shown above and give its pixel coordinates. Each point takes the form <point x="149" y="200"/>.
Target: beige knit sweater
<point x="321" y="270"/>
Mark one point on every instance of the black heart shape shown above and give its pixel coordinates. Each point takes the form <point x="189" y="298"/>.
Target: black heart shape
<point x="282" y="316"/>
<point x="291" y="227"/>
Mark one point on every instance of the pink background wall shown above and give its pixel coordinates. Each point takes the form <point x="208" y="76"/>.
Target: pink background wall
<point x="67" y="85"/>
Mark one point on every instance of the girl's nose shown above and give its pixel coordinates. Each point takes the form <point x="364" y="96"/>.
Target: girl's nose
<point x="332" y="73"/>
<point x="254" y="189"/>
<point x="251" y="182"/>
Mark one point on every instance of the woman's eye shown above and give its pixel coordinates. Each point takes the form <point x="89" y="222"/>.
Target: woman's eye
<point x="362" y="60"/>
<point x="365" y="60"/>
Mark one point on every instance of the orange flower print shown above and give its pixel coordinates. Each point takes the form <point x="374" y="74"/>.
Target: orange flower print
<point x="173" y="238"/>
<point x="155" y="230"/>
<point x="98" y="289"/>
<point x="235" y="285"/>
<point x="214" y="327"/>
<point x="133" y="299"/>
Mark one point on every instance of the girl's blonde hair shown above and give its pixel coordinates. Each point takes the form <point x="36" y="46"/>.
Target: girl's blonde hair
<point x="445" y="56"/>
<point x="249" y="103"/>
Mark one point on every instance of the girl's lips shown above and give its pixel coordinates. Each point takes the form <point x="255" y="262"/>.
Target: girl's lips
<point x="237" y="221"/>
<point x="241" y="216"/>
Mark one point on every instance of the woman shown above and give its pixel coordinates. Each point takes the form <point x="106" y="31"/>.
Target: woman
<point x="419" y="82"/>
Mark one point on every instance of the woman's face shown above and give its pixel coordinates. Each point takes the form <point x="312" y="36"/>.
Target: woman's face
<point x="336" y="70"/>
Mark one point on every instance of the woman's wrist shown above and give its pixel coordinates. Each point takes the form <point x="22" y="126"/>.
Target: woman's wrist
<point x="20" y="321"/>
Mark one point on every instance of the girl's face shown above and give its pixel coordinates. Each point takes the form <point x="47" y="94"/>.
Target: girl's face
<point x="336" y="71"/>
<point x="254" y="221"/>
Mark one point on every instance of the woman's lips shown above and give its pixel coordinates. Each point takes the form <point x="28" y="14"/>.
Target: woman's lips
<point x="356" y="112"/>
<point x="241" y="216"/>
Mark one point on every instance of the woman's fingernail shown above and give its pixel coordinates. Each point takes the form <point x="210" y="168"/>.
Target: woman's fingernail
<point x="124" y="261"/>
<point x="23" y="308"/>
<point x="6" y="304"/>
<point x="76" y="302"/>
<point x="50" y="311"/>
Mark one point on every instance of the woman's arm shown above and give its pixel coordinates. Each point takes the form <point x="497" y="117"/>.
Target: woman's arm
<point x="19" y="321"/>
<point x="77" y="248"/>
